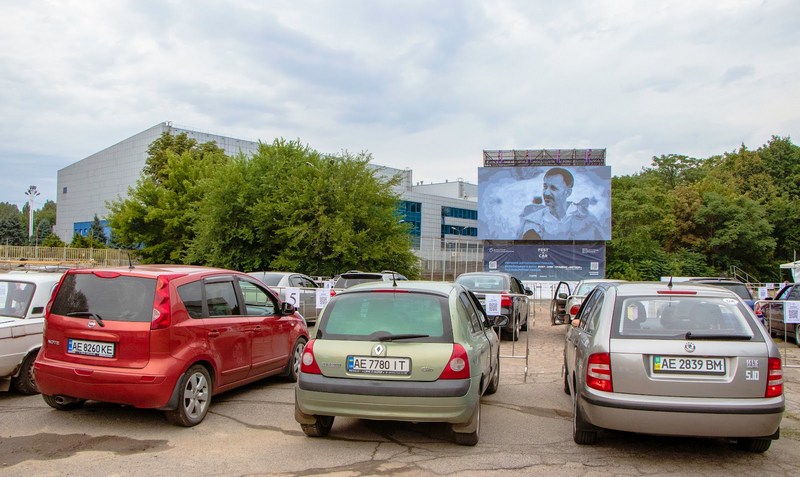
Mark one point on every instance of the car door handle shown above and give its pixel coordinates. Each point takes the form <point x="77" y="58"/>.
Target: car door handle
<point x="213" y="334"/>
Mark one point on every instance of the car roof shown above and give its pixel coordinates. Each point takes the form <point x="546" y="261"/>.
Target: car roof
<point x="404" y="285"/>
<point x="483" y="274"/>
<point x="154" y="270"/>
<point x="32" y="277"/>
<point x="653" y="288"/>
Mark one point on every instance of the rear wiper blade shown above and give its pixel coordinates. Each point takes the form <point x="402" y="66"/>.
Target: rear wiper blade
<point x="718" y="336"/>
<point x="401" y="337"/>
<point x="88" y="314"/>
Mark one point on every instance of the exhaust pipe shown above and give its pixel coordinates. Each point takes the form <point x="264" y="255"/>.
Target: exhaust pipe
<point x="61" y="400"/>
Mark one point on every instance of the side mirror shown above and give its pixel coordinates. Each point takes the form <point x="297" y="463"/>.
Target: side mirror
<point x="499" y="321"/>
<point x="528" y="291"/>
<point x="287" y="308"/>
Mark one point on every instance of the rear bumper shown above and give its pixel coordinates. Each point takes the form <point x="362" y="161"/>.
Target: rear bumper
<point x="403" y="401"/>
<point x="700" y="417"/>
<point x="148" y="387"/>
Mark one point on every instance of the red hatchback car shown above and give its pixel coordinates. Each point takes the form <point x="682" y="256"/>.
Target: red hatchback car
<point x="165" y="337"/>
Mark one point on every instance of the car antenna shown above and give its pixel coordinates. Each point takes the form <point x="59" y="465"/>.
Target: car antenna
<point x="130" y="262"/>
<point x="394" y="280"/>
<point x="669" y="285"/>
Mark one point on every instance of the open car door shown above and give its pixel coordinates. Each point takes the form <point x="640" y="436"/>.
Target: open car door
<point x="558" y="305"/>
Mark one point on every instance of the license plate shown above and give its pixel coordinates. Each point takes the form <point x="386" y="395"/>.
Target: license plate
<point x="688" y="365"/>
<point x="378" y="365"/>
<point x="90" y="348"/>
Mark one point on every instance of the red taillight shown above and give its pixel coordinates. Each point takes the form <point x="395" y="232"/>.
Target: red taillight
<point x="505" y="301"/>
<point x="598" y="372"/>
<point x="774" y="378"/>
<point x="676" y="292"/>
<point x="574" y="310"/>
<point x="308" y="364"/>
<point x="458" y="365"/>
<point x="162" y="317"/>
<point x="333" y="293"/>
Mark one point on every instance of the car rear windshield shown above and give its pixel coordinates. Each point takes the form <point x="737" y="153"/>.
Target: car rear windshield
<point x="271" y="279"/>
<point x="121" y="298"/>
<point x="369" y="316"/>
<point x="348" y="281"/>
<point x="738" y="288"/>
<point x="683" y="317"/>
<point x="483" y="282"/>
<point x="15" y="297"/>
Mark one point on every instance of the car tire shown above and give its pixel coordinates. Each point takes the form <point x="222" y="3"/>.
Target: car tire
<point x="797" y="335"/>
<point x="25" y="382"/>
<point x="566" y="380"/>
<point x="553" y="313"/>
<point x="756" y="445"/>
<point x="194" y="397"/>
<point x="470" y="438"/>
<point x="513" y="333"/>
<point x="495" y="382"/>
<point x="292" y="370"/>
<point x="321" y="427"/>
<point x="580" y="435"/>
<point x="63" y="403"/>
<point x="524" y="326"/>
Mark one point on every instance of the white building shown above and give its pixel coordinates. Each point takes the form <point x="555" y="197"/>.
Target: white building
<point x="443" y="215"/>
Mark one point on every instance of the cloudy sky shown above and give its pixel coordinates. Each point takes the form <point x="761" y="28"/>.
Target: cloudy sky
<point x="426" y="85"/>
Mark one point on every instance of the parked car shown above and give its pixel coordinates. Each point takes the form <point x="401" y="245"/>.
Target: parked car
<point x="23" y="298"/>
<point x="773" y="312"/>
<point x="355" y="277"/>
<point x="565" y="303"/>
<point x="733" y="285"/>
<point x="279" y="281"/>
<point x="163" y="336"/>
<point x="513" y="300"/>
<point x="677" y="359"/>
<point x="405" y="351"/>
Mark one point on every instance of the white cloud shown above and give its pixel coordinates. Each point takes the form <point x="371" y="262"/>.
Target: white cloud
<point x="415" y="83"/>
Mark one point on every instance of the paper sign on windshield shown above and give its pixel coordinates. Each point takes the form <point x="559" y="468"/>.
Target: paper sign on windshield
<point x="791" y="312"/>
<point x="492" y="305"/>
<point x="323" y="297"/>
<point x="292" y="295"/>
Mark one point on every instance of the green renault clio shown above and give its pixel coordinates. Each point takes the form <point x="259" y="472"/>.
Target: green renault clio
<point x="403" y="351"/>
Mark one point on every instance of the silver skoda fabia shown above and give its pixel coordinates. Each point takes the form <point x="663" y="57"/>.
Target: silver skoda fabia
<point x="672" y="359"/>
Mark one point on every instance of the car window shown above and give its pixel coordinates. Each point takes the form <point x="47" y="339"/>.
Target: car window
<point x="474" y="317"/>
<point x="122" y="298"/>
<point x="675" y="316"/>
<point x="303" y="282"/>
<point x="192" y="297"/>
<point x="483" y="282"/>
<point x="367" y="316"/>
<point x="584" y="288"/>
<point x="15" y="298"/>
<point x="794" y="294"/>
<point x="257" y="302"/>
<point x="593" y="311"/>
<point x="586" y="307"/>
<point x="221" y="299"/>
<point x="271" y="279"/>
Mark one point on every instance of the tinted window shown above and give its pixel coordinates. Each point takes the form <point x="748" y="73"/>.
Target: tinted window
<point x="257" y="301"/>
<point x="483" y="282"/>
<point x="192" y="297"/>
<point x="271" y="279"/>
<point x="370" y="315"/>
<point x="221" y="299"/>
<point x="121" y="298"/>
<point x="15" y="297"/>
<point x="471" y="313"/>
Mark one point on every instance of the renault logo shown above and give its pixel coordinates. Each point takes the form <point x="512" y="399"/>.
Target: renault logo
<point x="379" y="350"/>
<point x="689" y="347"/>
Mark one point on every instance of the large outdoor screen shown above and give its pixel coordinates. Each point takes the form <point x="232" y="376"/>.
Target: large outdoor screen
<point x="544" y="203"/>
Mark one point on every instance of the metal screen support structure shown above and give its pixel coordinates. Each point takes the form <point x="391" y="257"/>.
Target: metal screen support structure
<point x="528" y="331"/>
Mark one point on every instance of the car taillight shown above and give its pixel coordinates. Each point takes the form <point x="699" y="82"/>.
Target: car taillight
<point x="774" y="378"/>
<point x="309" y="364"/>
<point x="458" y="365"/>
<point x="333" y="293"/>
<point x="505" y="301"/>
<point x="574" y="310"/>
<point x="162" y="317"/>
<point x="598" y="372"/>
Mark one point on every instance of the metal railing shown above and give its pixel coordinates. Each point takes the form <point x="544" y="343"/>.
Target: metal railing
<point x="17" y="256"/>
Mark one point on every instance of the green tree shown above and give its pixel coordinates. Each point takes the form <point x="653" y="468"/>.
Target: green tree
<point x="159" y="213"/>
<point x="97" y="234"/>
<point x="53" y="240"/>
<point x="289" y="207"/>
<point x="79" y="241"/>
<point x="11" y="231"/>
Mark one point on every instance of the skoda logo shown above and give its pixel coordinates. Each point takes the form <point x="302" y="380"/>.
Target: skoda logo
<point x="689" y="347"/>
<point x="91" y="323"/>
<point x="378" y="350"/>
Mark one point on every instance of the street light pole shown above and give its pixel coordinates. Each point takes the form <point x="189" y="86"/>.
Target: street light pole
<point x="31" y="193"/>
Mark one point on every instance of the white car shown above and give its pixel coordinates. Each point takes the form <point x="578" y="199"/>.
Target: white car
<point x="23" y="299"/>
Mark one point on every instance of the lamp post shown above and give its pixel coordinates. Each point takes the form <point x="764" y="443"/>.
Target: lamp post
<point x="458" y="245"/>
<point x="31" y="193"/>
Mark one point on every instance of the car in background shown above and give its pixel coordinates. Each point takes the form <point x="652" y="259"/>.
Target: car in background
<point x="773" y="312"/>
<point x="355" y="277"/>
<point x="280" y="281"/>
<point x="514" y="301"/>
<point x="733" y="285"/>
<point x="167" y="337"/>
<point x="23" y="298"/>
<point x="678" y="359"/>
<point x="402" y="351"/>
<point x="565" y="303"/>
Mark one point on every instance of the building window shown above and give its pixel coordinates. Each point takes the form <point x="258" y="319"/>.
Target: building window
<point x="64" y="190"/>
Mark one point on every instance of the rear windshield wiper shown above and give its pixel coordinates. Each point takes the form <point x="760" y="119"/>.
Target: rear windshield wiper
<point x="401" y="337"/>
<point x="88" y="314"/>
<point x="711" y="336"/>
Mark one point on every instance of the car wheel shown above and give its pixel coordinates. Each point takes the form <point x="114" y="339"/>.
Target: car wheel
<point x="513" y="333"/>
<point x="797" y="334"/>
<point x="194" y="398"/>
<point x="580" y="435"/>
<point x="495" y="382"/>
<point x="25" y="383"/>
<point x="471" y="438"/>
<point x="63" y="403"/>
<point x="524" y="326"/>
<point x="321" y="427"/>
<point x="292" y="370"/>
<point x="753" y="445"/>
<point x="553" y="312"/>
<point x="566" y="380"/>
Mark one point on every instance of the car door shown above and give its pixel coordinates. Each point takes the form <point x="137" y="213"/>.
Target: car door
<point x="308" y="297"/>
<point x="229" y="332"/>
<point x="558" y="305"/>
<point x="270" y="331"/>
<point x="578" y="343"/>
<point x="481" y="349"/>
<point x="520" y="300"/>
